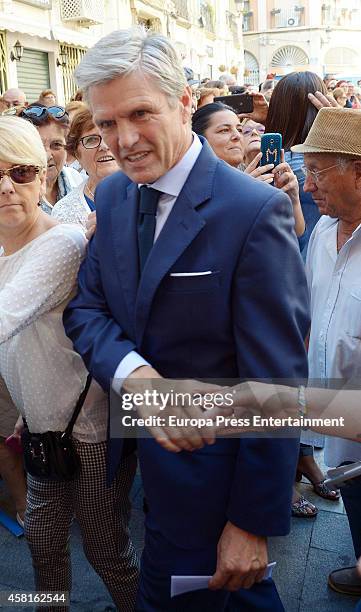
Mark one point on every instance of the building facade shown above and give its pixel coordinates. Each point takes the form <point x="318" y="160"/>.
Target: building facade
<point x="281" y="36"/>
<point x="42" y="41"/>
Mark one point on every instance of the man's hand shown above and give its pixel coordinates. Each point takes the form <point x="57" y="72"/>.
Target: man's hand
<point x="254" y="398"/>
<point x="241" y="559"/>
<point x="180" y="436"/>
<point x="260" y="109"/>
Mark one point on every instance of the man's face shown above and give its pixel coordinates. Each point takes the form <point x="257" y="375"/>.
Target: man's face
<point x="147" y="132"/>
<point x="14" y="98"/>
<point x="335" y="191"/>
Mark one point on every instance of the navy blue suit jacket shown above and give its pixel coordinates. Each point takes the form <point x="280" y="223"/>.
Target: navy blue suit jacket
<point x="246" y="319"/>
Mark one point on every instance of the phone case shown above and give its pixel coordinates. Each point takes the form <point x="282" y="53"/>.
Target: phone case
<point x="271" y="145"/>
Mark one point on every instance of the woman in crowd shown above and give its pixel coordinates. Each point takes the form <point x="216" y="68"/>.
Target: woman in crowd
<point x="85" y="143"/>
<point x="220" y="125"/>
<point x="292" y="114"/>
<point x="53" y="124"/>
<point x="73" y="107"/>
<point x="38" y="271"/>
<point x="345" y="86"/>
<point x="47" y="98"/>
<point x="340" y="96"/>
<point x="206" y="95"/>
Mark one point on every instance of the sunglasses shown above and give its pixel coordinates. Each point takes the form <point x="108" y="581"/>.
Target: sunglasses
<point x="39" y="112"/>
<point x="91" y="142"/>
<point x="21" y="175"/>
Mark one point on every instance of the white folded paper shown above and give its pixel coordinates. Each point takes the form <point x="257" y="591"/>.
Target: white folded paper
<point x="185" y="584"/>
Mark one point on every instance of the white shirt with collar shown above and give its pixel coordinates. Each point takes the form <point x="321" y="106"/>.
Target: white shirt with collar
<point x="170" y="185"/>
<point x="335" y="341"/>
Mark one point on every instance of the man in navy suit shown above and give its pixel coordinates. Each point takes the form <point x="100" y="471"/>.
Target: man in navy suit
<point x="218" y="291"/>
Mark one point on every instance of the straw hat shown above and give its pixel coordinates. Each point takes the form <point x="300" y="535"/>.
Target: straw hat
<point x="335" y="130"/>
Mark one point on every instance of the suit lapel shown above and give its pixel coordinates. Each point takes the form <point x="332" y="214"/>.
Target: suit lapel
<point x="124" y="217"/>
<point x="181" y="228"/>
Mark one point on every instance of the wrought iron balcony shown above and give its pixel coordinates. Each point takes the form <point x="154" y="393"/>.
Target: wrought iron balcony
<point x="207" y="17"/>
<point x="248" y="22"/>
<point x="181" y="7"/>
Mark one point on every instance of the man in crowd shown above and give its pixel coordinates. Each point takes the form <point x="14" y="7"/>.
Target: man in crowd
<point x="186" y="278"/>
<point x="14" y="97"/>
<point x="333" y="169"/>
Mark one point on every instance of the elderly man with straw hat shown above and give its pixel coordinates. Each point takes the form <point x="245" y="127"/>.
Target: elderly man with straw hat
<point x="332" y="154"/>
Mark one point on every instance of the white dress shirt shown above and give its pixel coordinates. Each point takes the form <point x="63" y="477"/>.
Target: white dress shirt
<point x="335" y="341"/>
<point x="170" y="184"/>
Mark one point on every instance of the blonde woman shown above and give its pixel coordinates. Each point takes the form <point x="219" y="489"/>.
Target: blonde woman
<point x="38" y="269"/>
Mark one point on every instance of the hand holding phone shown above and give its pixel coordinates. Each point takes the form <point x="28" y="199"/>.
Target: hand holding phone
<point x="271" y="149"/>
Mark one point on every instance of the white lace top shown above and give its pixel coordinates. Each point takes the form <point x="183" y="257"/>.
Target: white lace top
<point x="42" y="372"/>
<point x="73" y="208"/>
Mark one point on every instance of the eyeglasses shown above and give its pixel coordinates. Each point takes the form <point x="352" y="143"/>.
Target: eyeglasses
<point x="91" y="142"/>
<point x="56" y="146"/>
<point x="21" y="175"/>
<point x="315" y="174"/>
<point x="39" y="112"/>
<point x="247" y="129"/>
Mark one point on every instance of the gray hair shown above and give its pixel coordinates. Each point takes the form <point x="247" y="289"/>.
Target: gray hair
<point x="344" y="160"/>
<point x="126" y="52"/>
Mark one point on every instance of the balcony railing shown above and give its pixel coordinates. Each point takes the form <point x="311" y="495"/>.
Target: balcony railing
<point x="85" y="12"/>
<point x="233" y="26"/>
<point x="346" y="17"/>
<point x="207" y="17"/>
<point x="181" y="8"/>
<point x="288" y="18"/>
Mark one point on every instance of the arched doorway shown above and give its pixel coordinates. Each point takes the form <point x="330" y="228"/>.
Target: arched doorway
<point x="289" y="58"/>
<point x="342" y="59"/>
<point x="251" y="69"/>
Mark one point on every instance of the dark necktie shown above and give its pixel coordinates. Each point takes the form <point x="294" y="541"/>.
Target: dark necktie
<point x="148" y="202"/>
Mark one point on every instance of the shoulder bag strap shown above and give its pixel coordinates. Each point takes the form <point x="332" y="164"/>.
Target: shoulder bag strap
<point x="78" y="406"/>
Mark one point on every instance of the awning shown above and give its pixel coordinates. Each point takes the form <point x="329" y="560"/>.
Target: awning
<point x="14" y="24"/>
<point x="77" y="38"/>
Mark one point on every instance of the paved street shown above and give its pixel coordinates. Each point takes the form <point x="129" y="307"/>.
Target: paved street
<point x="304" y="559"/>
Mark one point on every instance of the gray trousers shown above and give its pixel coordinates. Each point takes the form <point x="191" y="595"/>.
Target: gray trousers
<point x="103" y="516"/>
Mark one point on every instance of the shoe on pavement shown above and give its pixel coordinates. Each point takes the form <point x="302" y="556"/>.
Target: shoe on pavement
<point x="345" y="580"/>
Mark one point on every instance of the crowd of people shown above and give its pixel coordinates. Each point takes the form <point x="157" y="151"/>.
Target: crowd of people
<point x="141" y="242"/>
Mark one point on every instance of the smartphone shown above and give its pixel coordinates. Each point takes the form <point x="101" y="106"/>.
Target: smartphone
<point x="241" y="103"/>
<point x="14" y="443"/>
<point x="271" y="146"/>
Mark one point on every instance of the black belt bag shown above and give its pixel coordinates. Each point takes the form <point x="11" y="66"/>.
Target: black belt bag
<point x="52" y="455"/>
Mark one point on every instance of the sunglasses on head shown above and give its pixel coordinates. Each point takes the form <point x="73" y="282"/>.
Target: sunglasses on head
<point x="39" y="112"/>
<point x="21" y="175"/>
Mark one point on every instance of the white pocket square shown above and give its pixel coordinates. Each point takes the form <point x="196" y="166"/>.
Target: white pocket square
<point x="191" y="273"/>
